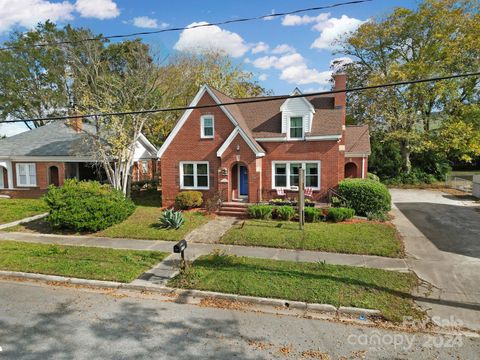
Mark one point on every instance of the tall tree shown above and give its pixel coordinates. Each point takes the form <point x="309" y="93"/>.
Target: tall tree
<point x="33" y="80"/>
<point x="110" y="78"/>
<point x="439" y="38"/>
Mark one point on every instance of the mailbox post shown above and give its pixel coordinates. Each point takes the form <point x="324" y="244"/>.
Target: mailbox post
<point x="179" y="248"/>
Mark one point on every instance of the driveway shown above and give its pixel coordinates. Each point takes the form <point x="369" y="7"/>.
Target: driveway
<point x="442" y="241"/>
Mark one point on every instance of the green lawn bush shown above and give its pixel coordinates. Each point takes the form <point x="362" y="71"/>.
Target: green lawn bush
<point x="86" y="206"/>
<point x="365" y="195"/>
<point x="340" y="214"/>
<point x="285" y="212"/>
<point x="260" y="211"/>
<point x="313" y="214"/>
<point x="188" y="199"/>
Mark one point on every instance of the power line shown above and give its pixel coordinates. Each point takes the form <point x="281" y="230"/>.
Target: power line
<point x="226" y="22"/>
<point x="247" y="101"/>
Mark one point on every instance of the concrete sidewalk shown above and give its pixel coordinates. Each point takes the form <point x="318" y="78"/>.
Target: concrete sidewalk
<point x="197" y="249"/>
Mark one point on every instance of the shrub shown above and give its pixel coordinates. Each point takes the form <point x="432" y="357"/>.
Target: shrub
<point x="188" y="199"/>
<point x="313" y="214"/>
<point x="340" y="214"/>
<point x="86" y="206"/>
<point x="377" y="216"/>
<point x="171" y="219"/>
<point x="260" y="211"/>
<point x="373" y="177"/>
<point x="365" y="195"/>
<point x="285" y="212"/>
<point x="214" y="203"/>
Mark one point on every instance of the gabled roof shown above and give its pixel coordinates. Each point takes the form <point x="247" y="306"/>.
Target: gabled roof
<point x="297" y="91"/>
<point x="357" y="140"/>
<point x="54" y="139"/>
<point x="231" y="111"/>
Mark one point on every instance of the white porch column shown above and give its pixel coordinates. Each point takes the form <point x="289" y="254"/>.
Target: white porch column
<point x="7" y="164"/>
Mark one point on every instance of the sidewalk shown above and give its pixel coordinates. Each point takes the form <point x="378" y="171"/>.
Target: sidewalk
<point x="197" y="249"/>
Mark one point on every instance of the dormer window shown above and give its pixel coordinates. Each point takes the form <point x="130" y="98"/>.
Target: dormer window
<point x="296" y="127"/>
<point x="207" y="127"/>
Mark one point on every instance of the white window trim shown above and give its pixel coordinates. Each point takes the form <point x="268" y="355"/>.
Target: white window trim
<point x="289" y="127"/>
<point x="303" y="162"/>
<point x="202" y="126"/>
<point x="195" y="179"/>
<point x="28" y="184"/>
<point x="144" y="165"/>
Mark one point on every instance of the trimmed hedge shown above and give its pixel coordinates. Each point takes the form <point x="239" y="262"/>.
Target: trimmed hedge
<point x="260" y="211"/>
<point x="313" y="214"/>
<point x="285" y="212"/>
<point x="365" y="196"/>
<point x="86" y="206"/>
<point x="340" y="214"/>
<point x="188" y="199"/>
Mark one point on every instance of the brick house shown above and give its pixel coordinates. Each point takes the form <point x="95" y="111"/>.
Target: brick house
<point x="246" y="152"/>
<point x="31" y="161"/>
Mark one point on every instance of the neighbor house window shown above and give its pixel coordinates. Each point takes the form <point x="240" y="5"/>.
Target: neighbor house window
<point x="144" y="167"/>
<point x="286" y="173"/>
<point x="296" y="127"/>
<point x="26" y="175"/>
<point x="194" y="175"/>
<point x="207" y="127"/>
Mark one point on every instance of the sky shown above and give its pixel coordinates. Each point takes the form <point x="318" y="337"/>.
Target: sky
<point x="282" y="52"/>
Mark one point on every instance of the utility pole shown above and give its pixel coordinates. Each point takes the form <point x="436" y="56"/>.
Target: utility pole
<point x="301" y="198"/>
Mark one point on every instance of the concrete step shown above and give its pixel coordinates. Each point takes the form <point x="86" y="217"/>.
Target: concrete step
<point x="236" y="204"/>
<point x="233" y="208"/>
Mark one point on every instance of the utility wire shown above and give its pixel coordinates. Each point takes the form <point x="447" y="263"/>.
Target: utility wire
<point x="248" y="101"/>
<point x="226" y="22"/>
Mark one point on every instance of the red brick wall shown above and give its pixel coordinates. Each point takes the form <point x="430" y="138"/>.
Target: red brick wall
<point x="324" y="151"/>
<point x="151" y="174"/>
<point x="42" y="169"/>
<point x="358" y="161"/>
<point x="188" y="146"/>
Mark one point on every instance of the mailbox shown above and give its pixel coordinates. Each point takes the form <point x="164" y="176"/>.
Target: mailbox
<point x="180" y="247"/>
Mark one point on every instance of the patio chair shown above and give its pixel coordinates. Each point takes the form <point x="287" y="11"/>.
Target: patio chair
<point x="308" y="192"/>
<point x="281" y="192"/>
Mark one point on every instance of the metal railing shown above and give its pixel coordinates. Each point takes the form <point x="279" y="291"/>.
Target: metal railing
<point x="459" y="183"/>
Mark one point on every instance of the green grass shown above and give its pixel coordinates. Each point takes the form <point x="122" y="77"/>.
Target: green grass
<point x="17" y="209"/>
<point x="76" y="261"/>
<point x="386" y="291"/>
<point x="143" y="224"/>
<point x="351" y="238"/>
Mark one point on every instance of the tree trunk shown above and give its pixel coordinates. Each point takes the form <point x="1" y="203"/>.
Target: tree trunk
<point x="405" y="152"/>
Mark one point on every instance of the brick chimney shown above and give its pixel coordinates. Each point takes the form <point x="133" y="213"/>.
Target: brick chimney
<point x="340" y="84"/>
<point x="76" y="124"/>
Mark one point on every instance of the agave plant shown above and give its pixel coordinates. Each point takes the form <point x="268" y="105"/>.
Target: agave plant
<point x="171" y="219"/>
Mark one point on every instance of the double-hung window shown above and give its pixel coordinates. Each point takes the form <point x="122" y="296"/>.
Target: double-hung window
<point x="144" y="167"/>
<point x="207" y="127"/>
<point x="26" y="175"/>
<point x="296" y="127"/>
<point x="194" y="175"/>
<point x="286" y="174"/>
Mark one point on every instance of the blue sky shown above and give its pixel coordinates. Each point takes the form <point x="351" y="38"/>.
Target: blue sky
<point x="282" y="53"/>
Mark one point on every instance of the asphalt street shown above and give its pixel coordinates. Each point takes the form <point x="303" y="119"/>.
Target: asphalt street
<point x="39" y="321"/>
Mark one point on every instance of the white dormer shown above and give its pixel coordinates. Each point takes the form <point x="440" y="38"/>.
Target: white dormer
<point x="297" y="115"/>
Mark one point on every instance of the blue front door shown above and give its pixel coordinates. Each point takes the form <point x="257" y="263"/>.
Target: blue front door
<point x="243" y="181"/>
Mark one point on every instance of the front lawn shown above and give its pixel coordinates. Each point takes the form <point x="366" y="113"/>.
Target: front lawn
<point x="76" y="261"/>
<point x="386" y="291"/>
<point x="17" y="209"/>
<point x="143" y="224"/>
<point x="352" y="238"/>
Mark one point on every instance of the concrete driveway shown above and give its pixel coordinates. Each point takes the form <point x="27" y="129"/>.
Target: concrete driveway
<point x="442" y="241"/>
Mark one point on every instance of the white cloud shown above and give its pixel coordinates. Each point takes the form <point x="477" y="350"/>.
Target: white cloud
<point x="263" y="77"/>
<point x="260" y="47"/>
<point x="302" y="74"/>
<point x="211" y="38"/>
<point x="148" y="23"/>
<point x="99" y="9"/>
<point x="293" y="20"/>
<point x="334" y="28"/>
<point x="337" y="63"/>
<point x="268" y="18"/>
<point x="27" y="13"/>
<point x="294" y="69"/>
<point x="283" y="48"/>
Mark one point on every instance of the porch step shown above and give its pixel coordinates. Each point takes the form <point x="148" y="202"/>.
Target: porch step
<point x="233" y="209"/>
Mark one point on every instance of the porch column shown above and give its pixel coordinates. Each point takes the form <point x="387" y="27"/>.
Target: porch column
<point x="9" y="174"/>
